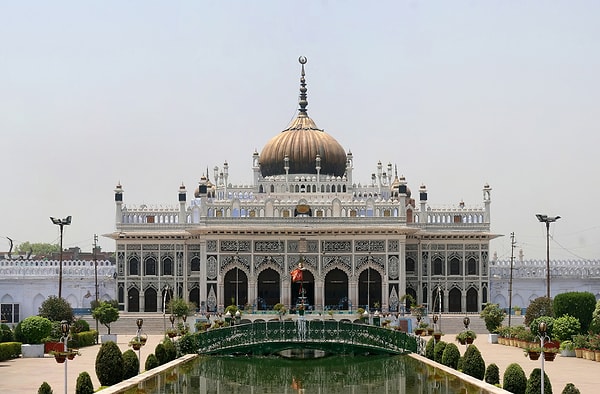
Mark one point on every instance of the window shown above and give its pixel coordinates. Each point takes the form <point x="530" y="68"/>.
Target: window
<point x="150" y="266"/>
<point x="410" y="265"/>
<point x="9" y="313"/>
<point x="167" y="268"/>
<point x="454" y="266"/>
<point x="471" y="267"/>
<point x="134" y="266"/>
<point x="195" y="264"/>
<point x="438" y="267"/>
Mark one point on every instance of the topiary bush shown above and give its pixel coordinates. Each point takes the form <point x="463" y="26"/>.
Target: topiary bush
<point x="473" y="364"/>
<point x="438" y="351"/>
<point x="460" y="363"/>
<point x="541" y="306"/>
<point x="9" y="350"/>
<point x="565" y="327"/>
<point x="6" y="334"/>
<point x="161" y="354"/>
<point x="451" y="356"/>
<point x="579" y="304"/>
<point x="84" y="384"/>
<point x="595" y="324"/>
<point x="56" y="309"/>
<point x="534" y="383"/>
<point x="429" y="353"/>
<point x="34" y="329"/>
<point x="514" y="379"/>
<point x="492" y="374"/>
<point x="131" y="364"/>
<point x="570" y="389"/>
<point x="45" y="389"/>
<point x="170" y="349"/>
<point x="151" y="362"/>
<point x="493" y="316"/>
<point x="109" y="364"/>
<point x="187" y="344"/>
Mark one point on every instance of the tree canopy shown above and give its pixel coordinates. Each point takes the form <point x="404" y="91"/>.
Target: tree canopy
<point x="37" y="248"/>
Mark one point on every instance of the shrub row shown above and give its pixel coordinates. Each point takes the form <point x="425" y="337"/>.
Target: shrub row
<point x="82" y="339"/>
<point x="9" y="350"/>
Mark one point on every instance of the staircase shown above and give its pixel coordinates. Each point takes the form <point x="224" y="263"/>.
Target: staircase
<point x="153" y="323"/>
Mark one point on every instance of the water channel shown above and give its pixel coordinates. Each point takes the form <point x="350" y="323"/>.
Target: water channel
<point x="333" y="374"/>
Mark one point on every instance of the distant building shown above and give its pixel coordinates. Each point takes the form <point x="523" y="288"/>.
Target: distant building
<point x="529" y="279"/>
<point x="25" y="284"/>
<point x="357" y="244"/>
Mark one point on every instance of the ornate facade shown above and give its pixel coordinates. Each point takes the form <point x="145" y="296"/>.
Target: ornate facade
<point x="358" y="244"/>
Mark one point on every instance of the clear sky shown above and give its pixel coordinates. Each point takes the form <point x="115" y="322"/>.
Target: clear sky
<point x="455" y="93"/>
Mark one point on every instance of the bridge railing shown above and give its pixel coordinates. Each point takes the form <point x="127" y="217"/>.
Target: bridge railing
<point x="339" y="336"/>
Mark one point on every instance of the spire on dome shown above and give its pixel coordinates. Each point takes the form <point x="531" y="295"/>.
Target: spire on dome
<point x="303" y="101"/>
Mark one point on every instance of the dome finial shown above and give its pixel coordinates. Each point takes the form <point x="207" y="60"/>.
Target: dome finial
<point x="303" y="101"/>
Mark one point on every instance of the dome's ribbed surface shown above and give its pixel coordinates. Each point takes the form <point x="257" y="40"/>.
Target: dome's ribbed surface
<point x="302" y="141"/>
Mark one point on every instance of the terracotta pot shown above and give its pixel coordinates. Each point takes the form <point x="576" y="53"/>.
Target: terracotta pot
<point x="597" y="355"/>
<point x="136" y="346"/>
<point x="60" y="358"/>
<point x="534" y="355"/>
<point x="469" y="341"/>
<point x="549" y="356"/>
<point x="579" y="353"/>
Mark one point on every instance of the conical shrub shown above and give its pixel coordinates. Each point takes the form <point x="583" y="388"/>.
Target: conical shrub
<point x="514" y="379"/>
<point x="131" y="364"/>
<point x="473" y="363"/>
<point x="492" y="374"/>
<point x="534" y="383"/>
<point x="109" y="364"/>
<point x="84" y="384"/>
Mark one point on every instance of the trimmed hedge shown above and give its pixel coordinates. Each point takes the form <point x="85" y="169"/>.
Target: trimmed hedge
<point x="151" y="362"/>
<point x="170" y="349"/>
<point x="109" y="364"/>
<point x="570" y="389"/>
<point x="429" y="352"/>
<point x="492" y="374"/>
<point x="45" y="388"/>
<point x="473" y="364"/>
<point x="131" y="364"/>
<point x="10" y="350"/>
<point x="579" y="304"/>
<point x="534" y="383"/>
<point x="565" y="327"/>
<point x="6" y="334"/>
<point x="84" y="384"/>
<point x="161" y="354"/>
<point x="514" y="379"/>
<point x="438" y="351"/>
<point x="451" y="356"/>
<point x="83" y="339"/>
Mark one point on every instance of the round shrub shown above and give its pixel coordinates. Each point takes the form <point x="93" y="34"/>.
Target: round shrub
<point x="56" y="309"/>
<point x="34" y="329"/>
<point x="109" y="364"/>
<point x="541" y="306"/>
<point x="514" y="379"/>
<point x="170" y="349"/>
<point x="6" y="334"/>
<point x="492" y="374"/>
<point x="451" y="356"/>
<point x="45" y="388"/>
<point x="570" y="389"/>
<point x="429" y="349"/>
<point x="565" y="327"/>
<point x="151" y="362"/>
<point x="473" y="364"/>
<point x="460" y="363"/>
<point x="438" y="351"/>
<point x="131" y="364"/>
<point x="84" y="384"/>
<point x="161" y="354"/>
<point x="534" y="383"/>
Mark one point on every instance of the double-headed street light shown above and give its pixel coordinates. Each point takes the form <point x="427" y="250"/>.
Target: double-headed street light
<point x="547" y="219"/>
<point x="61" y="223"/>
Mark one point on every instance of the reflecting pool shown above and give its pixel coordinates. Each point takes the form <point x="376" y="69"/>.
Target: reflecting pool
<point x="334" y="374"/>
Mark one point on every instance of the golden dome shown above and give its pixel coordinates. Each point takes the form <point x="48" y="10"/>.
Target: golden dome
<point x="304" y="145"/>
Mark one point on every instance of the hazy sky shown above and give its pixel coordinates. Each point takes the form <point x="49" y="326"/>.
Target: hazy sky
<point x="455" y="93"/>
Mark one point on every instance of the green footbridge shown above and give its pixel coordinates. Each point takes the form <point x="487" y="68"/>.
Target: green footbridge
<point x="337" y="337"/>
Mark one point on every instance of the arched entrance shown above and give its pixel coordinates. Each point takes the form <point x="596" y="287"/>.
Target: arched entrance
<point x="150" y="300"/>
<point x="166" y="297"/>
<point x="195" y="297"/>
<point x="454" y="304"/>
<point x="306" y="287"/>
<point x="268" y="288"/>
<point x="336" y="289"/>
<point x="236" y="288"/>
<point x="133" y="300"/>
<point x="369" y="289"/>
<point x="472" y="300"/>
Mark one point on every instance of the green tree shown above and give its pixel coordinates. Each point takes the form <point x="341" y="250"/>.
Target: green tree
<point x="579" y="304"/>
<point x="37" y="248"/>
<point x="493" y="316"/>
<point x="179" y="307"/>
<point x="106" y="314"/>
<point x="541" y="306"/>
<point x="56" y="309"/>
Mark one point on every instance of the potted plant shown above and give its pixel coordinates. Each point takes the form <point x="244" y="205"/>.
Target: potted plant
<point x="517" y="310"/>
<point x="62" y="356"/>
<point x="437" y="335"/>
<point x="580" y="342"/>
<point x="107" y="313"/>
<point x="493" y="316"/>
<point x="136" y="343"/>
<point x="466" y="337"/>
<point x="33" y="330"/>
<point x="567" y="349"/>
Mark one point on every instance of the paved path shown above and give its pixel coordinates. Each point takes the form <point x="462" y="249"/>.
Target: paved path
<point x="26" y="375"/>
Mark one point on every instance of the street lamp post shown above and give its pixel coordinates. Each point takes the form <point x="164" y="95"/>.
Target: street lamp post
<point x="139" y="322"/>
<point x="65" y="327"/>
<point x="61" y="223"/>
<point x="542" y="328"/>
<point x="547" y="219"/>
<point x="96" y="279"/>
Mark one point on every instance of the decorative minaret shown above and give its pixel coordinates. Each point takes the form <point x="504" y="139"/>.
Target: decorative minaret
<point x="487" y="199"/>
<point x="256" y="167"/>
<point x="182" y="199"/>
<point x="226" y="175"/>
<point x="286" y="167"/>
<point x="423" y="200"/>
<point x="379" y="174"/>
<point x="349" y="167"/>
<point x="119" y="204"/>
<point x="318" y="168"/>
<point x="303" y="102"/>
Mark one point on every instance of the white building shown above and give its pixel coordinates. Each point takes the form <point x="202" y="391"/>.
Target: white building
<point x="359" y="243"/>
<point x="529" y="279"/>
<point x="25" y="284"/>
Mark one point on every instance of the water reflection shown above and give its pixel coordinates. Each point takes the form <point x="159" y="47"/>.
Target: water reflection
<point x="336" y="374"/>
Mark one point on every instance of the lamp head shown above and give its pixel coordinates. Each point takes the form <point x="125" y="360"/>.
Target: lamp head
<point x="543" y="327"/>
<point x="64" y="327"/>
<point x="466" y="321"/>
<point x="139" y="323"/>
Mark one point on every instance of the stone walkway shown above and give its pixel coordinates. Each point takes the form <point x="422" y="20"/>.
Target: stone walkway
<point x="26" y="375"/>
